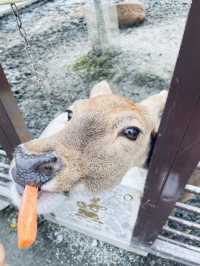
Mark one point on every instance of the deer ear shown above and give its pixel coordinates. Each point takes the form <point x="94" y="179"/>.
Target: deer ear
<point x="155" y="106"/>
<point x="102" y="88"/>
<point x="156" y="103"/>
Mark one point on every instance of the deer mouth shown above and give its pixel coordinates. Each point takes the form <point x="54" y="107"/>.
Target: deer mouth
<point x="48" y="201"/>
<point x="42" y="189"/>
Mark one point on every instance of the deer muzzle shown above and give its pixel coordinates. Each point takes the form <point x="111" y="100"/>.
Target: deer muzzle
<point x="34" y="169"/>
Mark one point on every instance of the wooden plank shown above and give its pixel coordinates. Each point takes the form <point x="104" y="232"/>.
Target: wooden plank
<point x="172" y="164"/>
<point x="12" y="126"/>
<point x="108" y="216"/>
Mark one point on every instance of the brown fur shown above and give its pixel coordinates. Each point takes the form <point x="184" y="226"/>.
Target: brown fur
<point x="90" y="146"/>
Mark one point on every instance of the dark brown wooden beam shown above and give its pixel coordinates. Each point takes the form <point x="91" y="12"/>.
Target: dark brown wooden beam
<point x="12" y="126"/>
<point x="177" y="150"/>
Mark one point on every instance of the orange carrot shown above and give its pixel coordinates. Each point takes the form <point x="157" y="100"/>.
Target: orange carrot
<point x="27" y="219"/>
<point x="2" y="255"/>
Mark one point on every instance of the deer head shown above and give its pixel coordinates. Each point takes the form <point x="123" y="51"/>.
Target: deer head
<point x="94" y="143"/>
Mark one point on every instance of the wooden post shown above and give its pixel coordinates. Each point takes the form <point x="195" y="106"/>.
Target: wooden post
<point x="12" y="127"/>
<point x="177" y="150"/>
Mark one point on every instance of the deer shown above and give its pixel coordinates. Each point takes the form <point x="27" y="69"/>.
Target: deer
<point x="94" y="143"/>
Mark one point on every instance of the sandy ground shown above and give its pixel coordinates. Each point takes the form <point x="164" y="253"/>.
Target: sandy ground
<point x="58" y="36"/>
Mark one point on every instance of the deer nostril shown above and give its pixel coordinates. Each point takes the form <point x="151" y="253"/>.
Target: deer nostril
<point x="46" y="169"/>
<point x="35" y="169"/>
<point x="44" y="163"/>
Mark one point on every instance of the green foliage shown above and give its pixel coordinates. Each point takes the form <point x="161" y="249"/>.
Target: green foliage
<point x="95" y="67"/>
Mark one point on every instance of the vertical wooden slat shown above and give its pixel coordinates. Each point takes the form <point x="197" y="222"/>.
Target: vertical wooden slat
<point x="12" y="127"/>
<point x="177" y="149"/>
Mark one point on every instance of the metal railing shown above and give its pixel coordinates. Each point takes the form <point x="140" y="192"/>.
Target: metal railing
<point x="178" y="231"/>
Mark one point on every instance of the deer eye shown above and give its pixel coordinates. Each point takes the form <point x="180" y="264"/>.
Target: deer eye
<point x="131" y="133"/>
<point x="69" y="113"/>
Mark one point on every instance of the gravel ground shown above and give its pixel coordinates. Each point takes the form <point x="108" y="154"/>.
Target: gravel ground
<point x="142" y="66"/>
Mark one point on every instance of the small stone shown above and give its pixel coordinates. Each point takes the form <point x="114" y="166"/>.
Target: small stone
<point x="59" y="238"/>
<point x="130" y="14"/>
<point x="13" y="226"/>
<point x="94" y="243"/>
<point x="78" y="13"/>
<point x="3" y="205"/>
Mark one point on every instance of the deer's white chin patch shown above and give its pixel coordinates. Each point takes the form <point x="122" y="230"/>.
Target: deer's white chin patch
<point x="50" y="186"/>
<point x="47" y="201"/>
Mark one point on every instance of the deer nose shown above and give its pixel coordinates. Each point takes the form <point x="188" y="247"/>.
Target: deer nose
<point x="35" y="170"/>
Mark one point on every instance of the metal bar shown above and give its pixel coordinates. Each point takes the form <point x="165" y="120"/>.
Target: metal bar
<point x="181" y="234"/>
<point x="184" y="222"/>
<point x="193" y="189"/>
<point x="7" y="2"/>
<point x="179" y="244"/>
<point x="177" y="149"/>
<point x="3" y="165"/>
<point x="5" y="192"/>
<point x="187" y="207"/>
<point x="5" y="176"/>
<point x="176" y="252"/>
<point x="3" y="184"/>
<point x="3" y="153"/>
<point x="5" y="202"/>
<point x="12" y="127"/>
